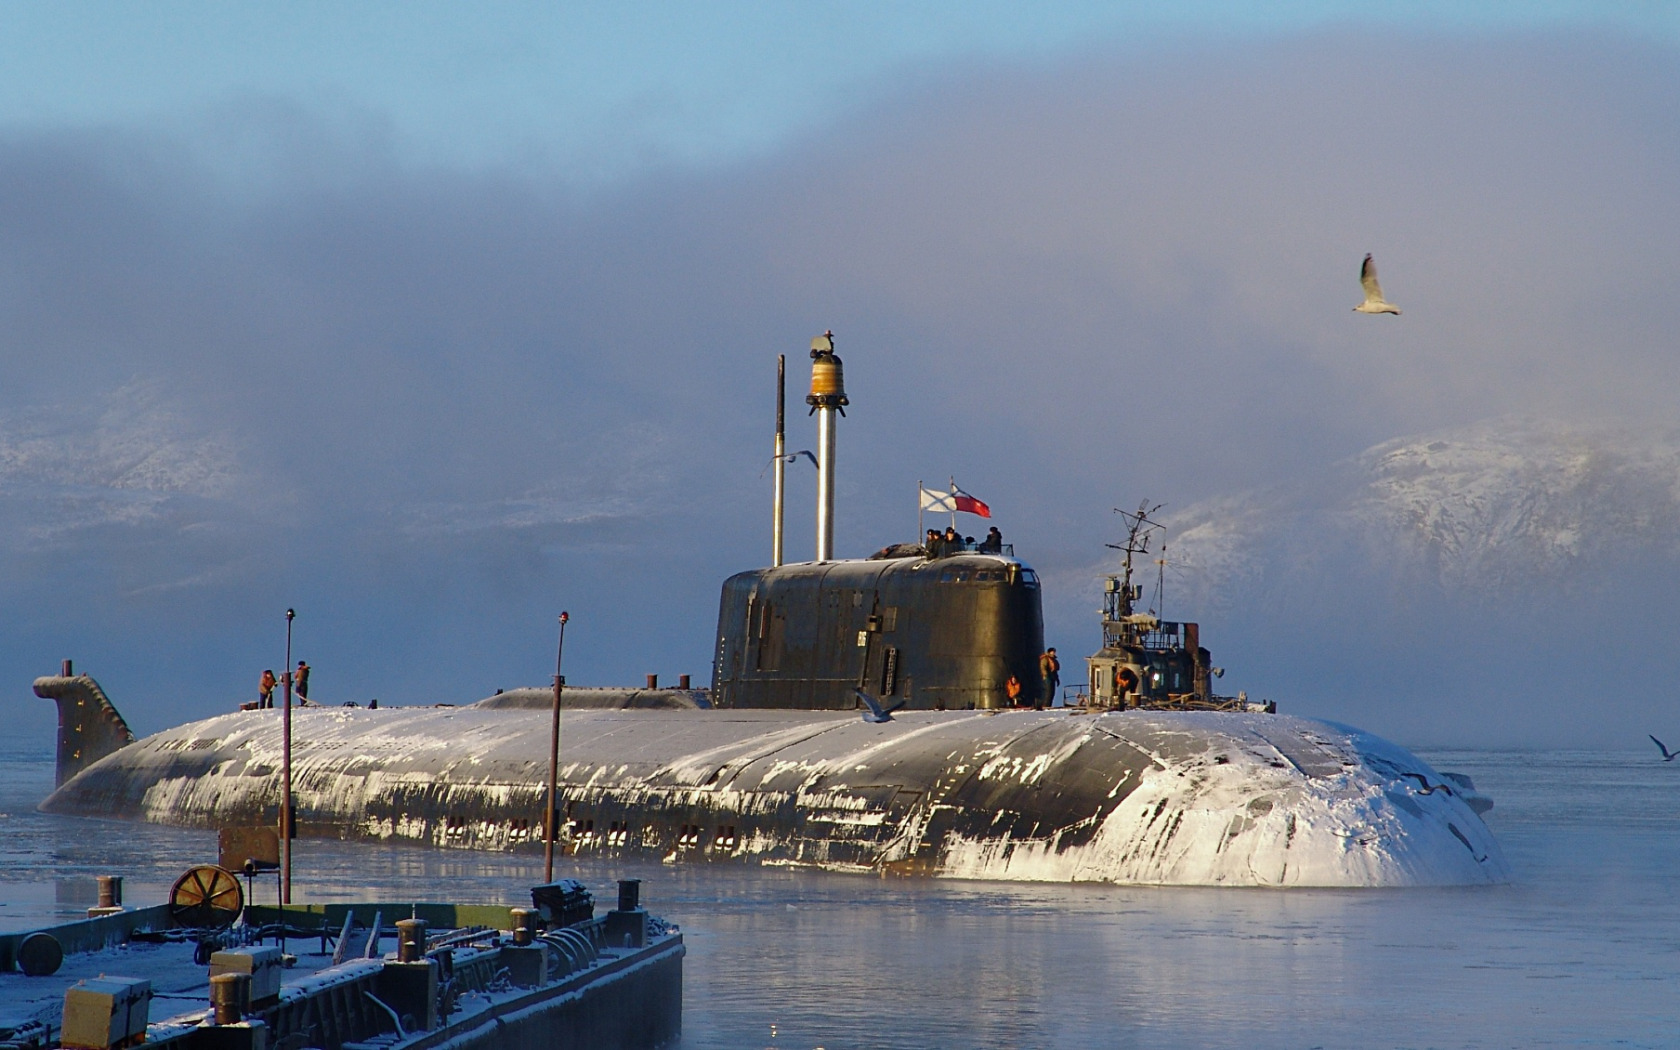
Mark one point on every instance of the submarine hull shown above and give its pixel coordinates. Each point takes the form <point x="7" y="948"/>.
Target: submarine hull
<point x="1186" y="798"/>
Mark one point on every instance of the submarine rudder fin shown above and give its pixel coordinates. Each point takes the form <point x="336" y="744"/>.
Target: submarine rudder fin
<point x="89" y="725"/>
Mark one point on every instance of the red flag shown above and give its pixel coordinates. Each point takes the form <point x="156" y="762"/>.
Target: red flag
<point x="969" y="505"/>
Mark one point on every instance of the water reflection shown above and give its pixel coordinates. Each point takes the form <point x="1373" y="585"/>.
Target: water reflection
<point x="1580" y="951"/>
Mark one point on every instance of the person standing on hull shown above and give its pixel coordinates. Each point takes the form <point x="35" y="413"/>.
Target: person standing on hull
<point x="301" y="680"/>
<point x="1050" y="670"/>
<point x="265" y="689"/>
<point x="1012" y="691"/>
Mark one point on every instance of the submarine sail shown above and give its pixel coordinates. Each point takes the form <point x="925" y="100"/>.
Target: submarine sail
<point x="937" y="633"/>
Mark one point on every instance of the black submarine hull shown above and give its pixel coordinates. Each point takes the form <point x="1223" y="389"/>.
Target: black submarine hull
<point x="1127" y="797"/>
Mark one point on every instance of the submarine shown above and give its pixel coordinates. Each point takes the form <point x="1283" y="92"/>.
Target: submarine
<point x="857" y="720"/>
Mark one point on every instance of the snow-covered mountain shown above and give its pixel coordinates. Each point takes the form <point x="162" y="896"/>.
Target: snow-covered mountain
<point x="1491" y="511"/>
<point x="125" y="458"/>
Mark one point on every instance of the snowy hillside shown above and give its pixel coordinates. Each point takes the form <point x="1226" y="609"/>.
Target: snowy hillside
<point x="124" y="459"/>
<point x="1496" y="509"/>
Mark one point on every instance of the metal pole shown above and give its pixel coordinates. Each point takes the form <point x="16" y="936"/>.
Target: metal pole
<point x="828" y="395"/>
<point x="554" y="756"/>
<point x="781" y="457"/>
<point x="825" y="484"/>
<point x="286" y="771"/>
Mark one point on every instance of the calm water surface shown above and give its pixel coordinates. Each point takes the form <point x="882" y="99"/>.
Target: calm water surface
<point x="1582" y="950"/>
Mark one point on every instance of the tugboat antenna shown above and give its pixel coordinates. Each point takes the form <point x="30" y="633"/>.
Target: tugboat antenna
<point x="1138" y="528"/>
<point x="1161" y="583"/>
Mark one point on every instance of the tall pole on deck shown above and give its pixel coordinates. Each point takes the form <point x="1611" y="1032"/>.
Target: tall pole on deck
<point x="554" y="756"/>
<point x="825" y="484"/>
<point x="827" y="397"/>
<point x="781" y="457"/>
<point x="286" y="770"/>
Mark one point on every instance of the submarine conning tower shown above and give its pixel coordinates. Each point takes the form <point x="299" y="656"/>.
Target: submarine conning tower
<point x="935" y="630"/>
<point x="938" y="633"/>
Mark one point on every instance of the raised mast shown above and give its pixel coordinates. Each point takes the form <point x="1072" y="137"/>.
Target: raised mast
<point x="827" y="397"/>
<point x="781" y="457"/>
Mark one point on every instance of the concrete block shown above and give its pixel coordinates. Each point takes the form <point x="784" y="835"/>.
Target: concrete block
<point x="106" y="1012"/>
<point x="626" y="929"/>
<point x="411" y="989"/>
<point x="261" y="964"/>
<point x="527" y="965"/>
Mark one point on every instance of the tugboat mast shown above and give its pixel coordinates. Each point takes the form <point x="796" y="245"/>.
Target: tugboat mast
<point x="1120" y="594"/>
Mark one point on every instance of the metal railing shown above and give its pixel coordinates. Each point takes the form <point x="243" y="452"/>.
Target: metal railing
<point x="947" y="548"/>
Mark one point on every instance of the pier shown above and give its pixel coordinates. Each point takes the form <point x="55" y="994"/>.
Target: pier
<point x="552" y="976"/>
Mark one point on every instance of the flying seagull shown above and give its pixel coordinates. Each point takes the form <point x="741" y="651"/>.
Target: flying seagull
<point x="791" y="457"/>
<point x="1374" y="302"/>
<point x="1668" y="756"/>
<point x="876" y="712"/>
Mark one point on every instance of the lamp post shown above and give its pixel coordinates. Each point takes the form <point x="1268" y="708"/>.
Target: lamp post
<point x="554" y="757"/>
<point x="286" y="770"/>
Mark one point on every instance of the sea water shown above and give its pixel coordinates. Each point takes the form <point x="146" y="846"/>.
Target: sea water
<point x="1582" y="949"/>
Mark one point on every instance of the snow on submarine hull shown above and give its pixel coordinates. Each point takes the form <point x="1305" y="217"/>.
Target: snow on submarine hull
<point x="1138" y="797"/>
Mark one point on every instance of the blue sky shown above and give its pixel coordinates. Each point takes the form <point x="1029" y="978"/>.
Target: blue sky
<point x="431" y="320"/>
<point x="599" y="89"/>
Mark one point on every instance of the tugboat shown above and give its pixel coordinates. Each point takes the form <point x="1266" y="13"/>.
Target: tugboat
<point x="1146" y="662"/>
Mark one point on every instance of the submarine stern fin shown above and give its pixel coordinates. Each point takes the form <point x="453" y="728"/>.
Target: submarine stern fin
<point x="89" y="725"/>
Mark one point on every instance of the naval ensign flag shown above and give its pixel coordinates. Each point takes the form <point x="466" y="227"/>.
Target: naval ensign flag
<point x="953" y="501"/>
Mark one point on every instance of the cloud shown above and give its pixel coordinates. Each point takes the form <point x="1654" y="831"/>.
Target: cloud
<point x="431" y="406"/>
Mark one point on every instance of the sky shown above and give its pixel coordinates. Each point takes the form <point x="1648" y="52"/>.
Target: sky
<point x="430" y="321"/>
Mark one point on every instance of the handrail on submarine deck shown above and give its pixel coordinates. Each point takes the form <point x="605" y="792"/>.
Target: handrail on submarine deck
<point x="946" y="549"/>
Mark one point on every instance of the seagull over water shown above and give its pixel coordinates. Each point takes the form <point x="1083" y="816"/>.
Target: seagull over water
<point x="1668" y="756"/>
<point x="1374" y="302"/>
<point x="791" y="457"/>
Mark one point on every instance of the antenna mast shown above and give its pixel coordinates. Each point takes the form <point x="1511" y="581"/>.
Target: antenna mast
<point x="1161" y="584"/>
<point x="1138" y="529"/>
<point x="828" y="396"/>
<point x="781" y="458"/>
